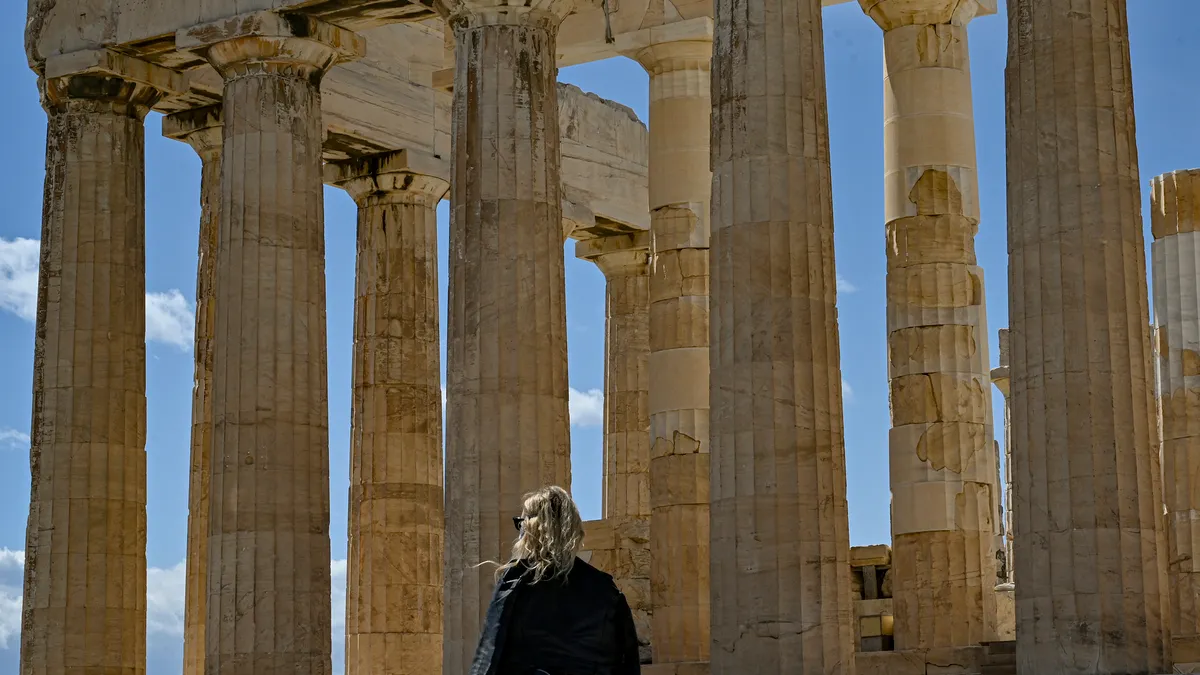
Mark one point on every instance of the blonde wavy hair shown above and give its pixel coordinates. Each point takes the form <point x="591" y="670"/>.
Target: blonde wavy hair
<point x="551" y="535"/>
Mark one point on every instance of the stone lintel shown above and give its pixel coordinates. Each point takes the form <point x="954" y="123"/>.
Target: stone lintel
<point x="346" y="45"/>
<point x="1175" y="203"/>
<point x="198" y="127"/>
<point x="891" y="14"/>
<point x="618" y="254"/>
<point x="590" y="249"/>
<point x="698" y="30"/>
<point x="576" y="218"/>
<point x="110" y="63"/>
<point x="401" y="171"/>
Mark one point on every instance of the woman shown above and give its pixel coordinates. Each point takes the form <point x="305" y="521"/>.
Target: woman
<point x="553" y="614"/>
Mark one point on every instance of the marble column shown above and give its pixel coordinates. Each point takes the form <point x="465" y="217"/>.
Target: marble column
<point x="394" y="571"/>
<point x="1000" y="378"/>
<point x="507" y="423"/>
<point x="84" y="605"/>
<point x="200" y="128"/>
<point x="942" y="453"/>
<point x="780" y="538"/>
<point x="680" y="185"/>
<point x="269" y="577"/>
<point x="1175" y="254"/>
<point x="625" y="261"/>
<point x="1090" y="555"/>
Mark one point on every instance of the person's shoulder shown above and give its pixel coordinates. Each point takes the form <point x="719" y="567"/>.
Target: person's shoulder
<point x="585" y="572"/>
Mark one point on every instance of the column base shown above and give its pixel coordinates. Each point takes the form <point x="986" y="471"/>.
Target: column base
<point x="941" y="660"/>
<point x="692" y="668"/>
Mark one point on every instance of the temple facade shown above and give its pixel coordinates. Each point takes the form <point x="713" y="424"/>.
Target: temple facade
<point x="724" y="501"/>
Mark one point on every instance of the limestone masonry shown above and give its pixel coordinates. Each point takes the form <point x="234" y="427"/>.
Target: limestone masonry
<point x="724" y="501"/>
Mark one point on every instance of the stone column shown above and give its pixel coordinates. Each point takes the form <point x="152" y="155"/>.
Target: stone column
<point x="394" y="571"/>
<point x="85" y="565"/>
<point x="269" y="580"/>
<point x="624" y="260"/>
<point x="200" y="128"/>
<point x="1175" y="222"/>
<point x="680" y="185"/>
<point x="943" y="469"/>
<point x="1000" y="378"/>
<point x="507" y="424"/>
<point x="1090" y="555"/>
<point x="780" y="538"/>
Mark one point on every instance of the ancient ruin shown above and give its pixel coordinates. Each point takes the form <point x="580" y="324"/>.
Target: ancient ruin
<point x="725" y="514"/>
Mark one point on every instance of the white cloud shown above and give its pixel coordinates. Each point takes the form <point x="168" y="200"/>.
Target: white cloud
<point x="169" y="316"/>
<point x="587" y="407"/>
<point x="844" y="286"/>
<point x="13" y="438"/>
<point x="847" y="392"/>
<point x="337" y="569"/>
<point x="169" y="319"/>
<point x="165" y="593"/>
<point x="18" y="276"/>
<point x="12" y="568"/>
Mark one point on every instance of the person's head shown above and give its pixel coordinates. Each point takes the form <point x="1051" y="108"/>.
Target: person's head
<point x="551" y="534"/>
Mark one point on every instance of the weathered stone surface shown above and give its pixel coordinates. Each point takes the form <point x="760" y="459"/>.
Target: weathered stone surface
<point x="1000" y="378"/>
<point x="394" y="568"/>
<point x="680" y="185"/>
<point x="944" y="490"/>
<point x="625" y="262"/>
<point x="269" y="582"/>
<point x="202" y="130"/>
<point x="508" y="430"/>
<point x="1090" y="555"/>
<point x="85" y="568"/>
<point x="1175" y="254"/>
<point x="780" y="538"/>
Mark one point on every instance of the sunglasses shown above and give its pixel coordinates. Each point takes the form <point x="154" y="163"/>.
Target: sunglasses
<point x="519" y="522"/>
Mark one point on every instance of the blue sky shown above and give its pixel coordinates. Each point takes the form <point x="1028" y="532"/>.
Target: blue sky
<point x="1167" y="86"/>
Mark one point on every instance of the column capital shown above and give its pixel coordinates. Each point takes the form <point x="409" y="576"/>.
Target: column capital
<point x="891" y="14"/>
<point x="617" y="255"/>
<point x="541" y="14"/>
<point x="1175" y="203"/>
<point x="683" y="45"/>
<point x="104" y="76"/>
<point x="400" y="176"/>
<point x="275" y="42"/>
<point x="199" y="127"/>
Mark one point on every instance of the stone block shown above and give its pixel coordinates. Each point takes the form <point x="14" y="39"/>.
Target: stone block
<point x="876" y="554"/>
<point x="889" y="663"/>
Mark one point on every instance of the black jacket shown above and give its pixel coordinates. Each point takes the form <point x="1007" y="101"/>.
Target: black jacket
<point x="580" y="625"/>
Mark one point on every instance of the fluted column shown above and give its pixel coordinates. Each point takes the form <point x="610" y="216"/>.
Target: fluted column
<point x="624" y="260"/>
<point x="394" y="571"/>
<point x="1000" y="378"/>
<point x="85" y="566"/>
<point x="1175" y="254"/>
<point x="780" y="538"/>
<point x="269" y="580"/>
<point x="680" y="185"/>
<point x="942" y="454"/>
<point x="201" y="129"/>
<point x="507" y="424"/>
<point x="1091" y="575"/>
